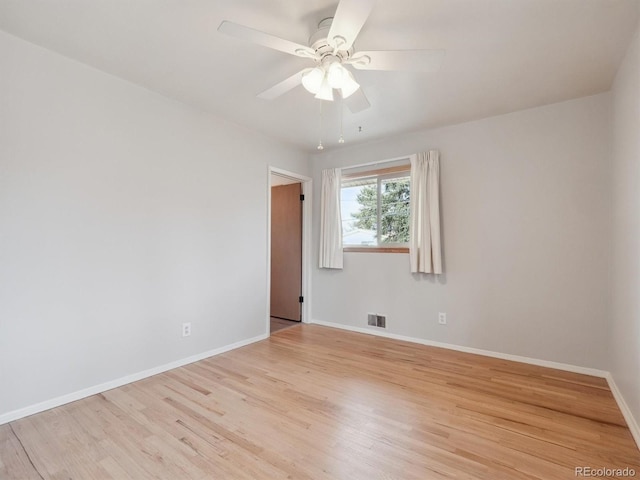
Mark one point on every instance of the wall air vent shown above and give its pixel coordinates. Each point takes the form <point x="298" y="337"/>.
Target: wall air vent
<point x="375" y="320"/>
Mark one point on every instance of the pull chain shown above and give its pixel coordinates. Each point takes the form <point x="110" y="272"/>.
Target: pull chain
<point x="341" y="139"/>
<point x="320" y="146"/>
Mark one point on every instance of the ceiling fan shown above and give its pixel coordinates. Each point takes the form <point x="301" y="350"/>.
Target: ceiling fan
<point x="331" y="47"/>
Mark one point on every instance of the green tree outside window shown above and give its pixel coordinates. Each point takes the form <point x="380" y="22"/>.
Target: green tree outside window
<point x="394" y="210"/>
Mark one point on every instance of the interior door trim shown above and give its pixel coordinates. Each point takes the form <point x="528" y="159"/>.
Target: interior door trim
<point x="307" y="191"/>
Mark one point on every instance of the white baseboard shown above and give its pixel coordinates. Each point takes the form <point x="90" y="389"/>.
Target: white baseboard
<point x="626" y="412"/>
<point x="103" y="387"/>
<point x="624" y="408"/>
<point x="487" y="353"/>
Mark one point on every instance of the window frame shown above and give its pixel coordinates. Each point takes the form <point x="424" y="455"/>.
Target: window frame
<point x="380" y="175"/>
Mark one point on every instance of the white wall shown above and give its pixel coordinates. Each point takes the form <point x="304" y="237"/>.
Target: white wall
<point x="625" y="279"/>
<point x="122" y="215"/>
<point x="526" y="199"/>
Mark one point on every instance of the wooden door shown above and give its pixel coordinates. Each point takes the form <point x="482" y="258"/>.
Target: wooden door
<point x="286" y="251"/>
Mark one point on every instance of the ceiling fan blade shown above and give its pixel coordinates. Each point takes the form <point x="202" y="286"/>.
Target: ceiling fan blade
<point x="407" y="60"/>
<point x="265" y="39"/>
<point x="357" y="101"/>
<point x="283" y="87"/>
<point x="348" y="21"/>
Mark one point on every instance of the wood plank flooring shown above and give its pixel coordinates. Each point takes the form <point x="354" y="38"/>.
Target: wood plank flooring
<point x="317" y="403"/>
<point x="280" y="323"/>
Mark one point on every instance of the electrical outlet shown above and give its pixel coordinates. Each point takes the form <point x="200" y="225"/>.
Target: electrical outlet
<point x="186" y="329"/>
<point x="442" y="318"/>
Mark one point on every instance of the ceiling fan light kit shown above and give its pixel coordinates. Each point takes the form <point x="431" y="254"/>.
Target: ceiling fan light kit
<point x="331" y="48"/>
<point x="312" y="80"/>
<point x="325" y="92"/>
<point x="349" y="85"/>
<point x="335" y="75"/>
<point x="319" y="80"/>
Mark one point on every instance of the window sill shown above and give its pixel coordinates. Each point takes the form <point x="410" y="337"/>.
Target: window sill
<point x="375" y="249"/>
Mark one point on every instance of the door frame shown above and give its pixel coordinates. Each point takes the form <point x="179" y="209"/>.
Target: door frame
<point x="306" y="185"/>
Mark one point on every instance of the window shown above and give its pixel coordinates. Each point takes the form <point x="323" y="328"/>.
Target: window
<point x="375" y="210"/>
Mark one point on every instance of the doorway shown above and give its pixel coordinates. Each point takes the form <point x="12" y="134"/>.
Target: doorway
<point x="287" y="242"/>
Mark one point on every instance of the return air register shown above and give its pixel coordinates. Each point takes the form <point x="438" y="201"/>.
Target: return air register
<point x="376" y="320"/>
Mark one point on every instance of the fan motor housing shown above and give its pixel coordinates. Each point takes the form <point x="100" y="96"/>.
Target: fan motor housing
<point x="320" y="43"/>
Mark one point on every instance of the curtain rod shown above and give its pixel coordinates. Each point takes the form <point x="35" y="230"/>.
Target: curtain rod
<point x="379" y="162"/>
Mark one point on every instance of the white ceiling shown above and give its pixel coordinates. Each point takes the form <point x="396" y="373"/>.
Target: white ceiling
<point x="502" y="56"/>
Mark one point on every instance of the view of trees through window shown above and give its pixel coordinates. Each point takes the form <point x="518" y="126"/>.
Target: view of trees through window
<point x="372" y="218"/>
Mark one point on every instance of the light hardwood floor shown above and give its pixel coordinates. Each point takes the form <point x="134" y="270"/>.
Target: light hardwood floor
<point x="280" y="323"/>
<point x="316" y="403"/>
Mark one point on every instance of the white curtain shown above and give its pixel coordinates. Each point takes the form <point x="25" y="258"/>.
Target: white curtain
<point x="424" y="233"/>
<point x="330" y="220"/>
